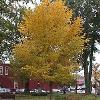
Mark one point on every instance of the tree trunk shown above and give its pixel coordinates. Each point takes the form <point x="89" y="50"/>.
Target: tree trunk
<point x="76" y="87"/>
<point x="50" y="86"/>
<point x="86" y="80"/>
<point x="85" y="67"/>
<point x="90" y="67"/>
<point x="27" y="86"/>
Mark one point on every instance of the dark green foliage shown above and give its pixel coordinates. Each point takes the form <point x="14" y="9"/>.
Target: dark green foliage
<point x="90" y="12"/>
<point x="10" y="16"/>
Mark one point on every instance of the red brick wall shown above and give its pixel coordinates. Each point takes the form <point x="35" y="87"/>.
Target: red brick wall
<point x="5" y="80"/>
<point x="36" y="84"/>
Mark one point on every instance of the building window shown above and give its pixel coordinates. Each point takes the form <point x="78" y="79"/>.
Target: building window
<point x="6" y="70"/>
<point x="1" y="70"/>
<point x="15" y="85"/>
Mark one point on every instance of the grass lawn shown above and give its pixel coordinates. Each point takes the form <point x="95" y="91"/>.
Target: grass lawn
<point x="29" y="97"/>
<point x="58" y="97"/>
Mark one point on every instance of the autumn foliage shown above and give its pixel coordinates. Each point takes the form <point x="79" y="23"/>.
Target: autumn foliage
<point x="51" y="42"/>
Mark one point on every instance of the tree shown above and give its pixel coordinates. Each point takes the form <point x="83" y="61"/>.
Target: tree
<point x="10" y="15"/>
<point x="89" y="10"/>
<point x="51" y="44"/>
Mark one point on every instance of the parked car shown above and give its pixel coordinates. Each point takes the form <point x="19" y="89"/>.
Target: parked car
<point x="33" y="90"/>
<point x="20" y="90"/>
<point x="72" y="88"/>
<point x="81" y="91"/>
<point x="56" y="90"/>
<point x="38" y="92"/>
<point x="13" y="90"/>
<point x="4" y="90"/>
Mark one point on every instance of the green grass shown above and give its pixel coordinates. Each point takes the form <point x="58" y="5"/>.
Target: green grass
<point x="59" y="97"/>
<point x="29" y="97"/>
<point x="82" y="97"/>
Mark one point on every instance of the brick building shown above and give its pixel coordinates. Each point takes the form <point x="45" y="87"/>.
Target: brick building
<point x="7" y="80"/>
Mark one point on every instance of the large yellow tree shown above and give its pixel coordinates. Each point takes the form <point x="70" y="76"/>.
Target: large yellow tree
<point x="51" y="42"/>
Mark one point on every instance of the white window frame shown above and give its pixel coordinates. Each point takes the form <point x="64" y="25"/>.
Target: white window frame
<point x="6" y="70"/>
<point x="1" y="68"/>
<point x="15" y="84"/>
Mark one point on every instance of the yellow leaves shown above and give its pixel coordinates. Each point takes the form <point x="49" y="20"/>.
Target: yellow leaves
<point x="76" y="27"/>
<point x="22" y="52"/>
<point x="52" y="41"/>
<point x="63" y="74"/>
<point x="45" y="21"/>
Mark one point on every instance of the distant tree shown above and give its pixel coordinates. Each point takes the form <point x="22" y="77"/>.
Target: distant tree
<point x="96" y="73"/>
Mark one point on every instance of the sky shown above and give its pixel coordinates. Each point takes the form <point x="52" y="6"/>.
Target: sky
<point x="97" y="54"/>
